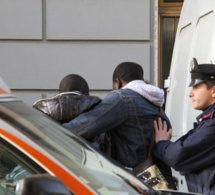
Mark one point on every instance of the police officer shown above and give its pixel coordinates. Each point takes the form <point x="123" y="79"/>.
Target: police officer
<point x="194" y="153"/>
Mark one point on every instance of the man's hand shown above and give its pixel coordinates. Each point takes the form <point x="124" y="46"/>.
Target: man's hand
<point x="161" y="131"/>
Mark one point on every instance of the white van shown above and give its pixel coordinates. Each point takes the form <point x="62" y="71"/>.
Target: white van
<point x="195" y="37"/>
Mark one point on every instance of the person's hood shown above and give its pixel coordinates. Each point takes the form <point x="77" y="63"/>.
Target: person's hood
<point x="152" y="93"/>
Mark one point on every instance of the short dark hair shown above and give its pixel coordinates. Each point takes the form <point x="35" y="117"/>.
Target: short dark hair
<point x="210" y="83"/>
<point x="128" y="71"/>
<point x="74" y="82"/>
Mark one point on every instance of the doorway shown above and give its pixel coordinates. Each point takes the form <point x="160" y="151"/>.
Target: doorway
<point x="169" y="13"/>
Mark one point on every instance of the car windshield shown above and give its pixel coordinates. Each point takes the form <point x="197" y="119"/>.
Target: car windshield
<point x="90" y="167"/>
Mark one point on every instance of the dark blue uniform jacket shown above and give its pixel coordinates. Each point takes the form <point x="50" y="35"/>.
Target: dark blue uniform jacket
<point x="194" y="154"/>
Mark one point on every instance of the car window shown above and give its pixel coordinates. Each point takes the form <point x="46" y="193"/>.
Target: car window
<point x="11" y="170"/>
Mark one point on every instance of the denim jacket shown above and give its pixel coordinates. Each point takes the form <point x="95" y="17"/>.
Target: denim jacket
<point x="128" y="116"/>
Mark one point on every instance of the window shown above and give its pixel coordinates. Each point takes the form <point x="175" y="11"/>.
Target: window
<point x="11" y="170"/>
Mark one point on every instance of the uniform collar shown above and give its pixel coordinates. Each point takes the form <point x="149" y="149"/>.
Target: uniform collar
<point x="208" y="113"/>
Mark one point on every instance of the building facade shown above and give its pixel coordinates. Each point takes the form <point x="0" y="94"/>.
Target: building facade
<point x="41" y="41"/>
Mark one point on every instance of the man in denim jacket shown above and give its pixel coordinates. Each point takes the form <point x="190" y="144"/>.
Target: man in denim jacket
<point x="127" y="113"/>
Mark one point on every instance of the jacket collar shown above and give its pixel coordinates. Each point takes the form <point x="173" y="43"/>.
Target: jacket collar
<point x="207" y="114"/>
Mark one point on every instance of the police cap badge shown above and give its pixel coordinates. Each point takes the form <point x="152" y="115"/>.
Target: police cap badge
<point x="201" y="72"/>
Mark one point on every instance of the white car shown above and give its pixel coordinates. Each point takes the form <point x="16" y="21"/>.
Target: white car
<point x="31" y="143"/>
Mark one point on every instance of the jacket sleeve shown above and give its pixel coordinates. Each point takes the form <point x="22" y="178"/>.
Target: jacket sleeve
<point x="109" y="113"/>
<point x="66" y="106"/>
<point x="190" y="153"/>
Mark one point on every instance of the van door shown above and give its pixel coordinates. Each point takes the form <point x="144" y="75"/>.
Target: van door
<point x="195" y="37"/>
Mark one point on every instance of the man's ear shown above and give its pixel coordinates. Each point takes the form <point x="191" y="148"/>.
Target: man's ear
<point x="213" y="91"/>
<point x="117" y="84"/>
<point x="120" y="83"/>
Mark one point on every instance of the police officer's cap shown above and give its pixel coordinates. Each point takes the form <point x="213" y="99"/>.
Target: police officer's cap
<point x="201" y="72"/>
